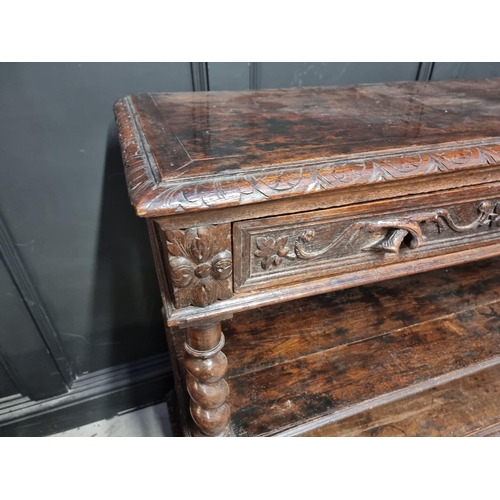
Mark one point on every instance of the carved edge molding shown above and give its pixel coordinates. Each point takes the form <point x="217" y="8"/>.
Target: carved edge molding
<point x="199" y="264"/>
<point x="141" y="170"/>
<point x="272" y="251"/>
<point x="151" y="197"/>
<point x="244" y="188"/>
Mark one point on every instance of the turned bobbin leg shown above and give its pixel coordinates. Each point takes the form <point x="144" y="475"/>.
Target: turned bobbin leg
<point x="197" y="262"/>
<point x="206" y="366"/>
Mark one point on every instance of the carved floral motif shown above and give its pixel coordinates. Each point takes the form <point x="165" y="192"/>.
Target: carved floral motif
<point x="494" y="218"/>
<point x="200" y="264"/>
<point x="271" y="251"/>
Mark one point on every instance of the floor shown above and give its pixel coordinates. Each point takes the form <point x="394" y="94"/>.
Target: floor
<point x="152" y="421"/>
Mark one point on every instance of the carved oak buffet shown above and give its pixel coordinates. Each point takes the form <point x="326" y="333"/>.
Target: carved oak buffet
<point x="290" y="198"/>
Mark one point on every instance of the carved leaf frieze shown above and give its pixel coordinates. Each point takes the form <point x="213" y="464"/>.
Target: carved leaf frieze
<point x="295" y="179"/>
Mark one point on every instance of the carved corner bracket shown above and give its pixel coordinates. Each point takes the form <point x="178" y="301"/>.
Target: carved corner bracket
<point x="199" y="264"/>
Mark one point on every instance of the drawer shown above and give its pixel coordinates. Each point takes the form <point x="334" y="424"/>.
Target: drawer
<point x="290" y="249"/>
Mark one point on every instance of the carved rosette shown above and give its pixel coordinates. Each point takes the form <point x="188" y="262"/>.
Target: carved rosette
<point x="200" y="263"/>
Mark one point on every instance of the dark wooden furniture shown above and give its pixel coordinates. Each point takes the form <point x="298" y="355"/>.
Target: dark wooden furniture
<point x="306" y="201"/>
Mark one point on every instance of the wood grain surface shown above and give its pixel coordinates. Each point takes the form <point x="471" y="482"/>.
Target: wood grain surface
<point x="187" y="152"/>
<point x="468" y="405"/>
<point x="292" y="363"/>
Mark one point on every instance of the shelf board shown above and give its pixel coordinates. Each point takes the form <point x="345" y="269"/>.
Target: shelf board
<point x="355" y="362"/>
<point x="467" y="405"/>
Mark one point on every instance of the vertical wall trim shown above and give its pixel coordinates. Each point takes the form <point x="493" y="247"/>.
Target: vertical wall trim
<point x="424" y="73"/>
<point x="254" y="75"/>
<point x="14" y="376"/>
<point x="461" y="70"/>
<point x="33" y="302"/>
<point x="199" y="75"/>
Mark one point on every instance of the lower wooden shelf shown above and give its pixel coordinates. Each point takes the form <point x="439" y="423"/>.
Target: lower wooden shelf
<point x="414" y="356"/>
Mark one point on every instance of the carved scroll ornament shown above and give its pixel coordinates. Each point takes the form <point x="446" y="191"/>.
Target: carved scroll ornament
<point x="398" y="229"/>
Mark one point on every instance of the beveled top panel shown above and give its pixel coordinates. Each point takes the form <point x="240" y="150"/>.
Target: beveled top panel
<point x="192" y="151"/>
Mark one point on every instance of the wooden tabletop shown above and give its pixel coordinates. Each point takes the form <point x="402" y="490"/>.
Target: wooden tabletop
<point x="186" y="152"/>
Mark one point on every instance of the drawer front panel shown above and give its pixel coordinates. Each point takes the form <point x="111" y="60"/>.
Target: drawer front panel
<point x="288" y="249"/>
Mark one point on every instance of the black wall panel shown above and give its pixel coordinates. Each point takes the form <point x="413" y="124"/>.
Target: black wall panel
<point x="302" y="74"/>
<point x="244" y="76"/>
<point x="229" y="76"/>
<point x="64" y="199"/>
<point x="7" y="387"/>
<point x="23" y="353"/>
<point x="447" y="71"/>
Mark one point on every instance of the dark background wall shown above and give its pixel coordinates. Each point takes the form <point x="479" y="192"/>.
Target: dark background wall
<point x="81" y="334"/>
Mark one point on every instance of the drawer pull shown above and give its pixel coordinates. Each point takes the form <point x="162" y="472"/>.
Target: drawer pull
<point x="397" y="230"/>
<point x="392" y="241"/>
